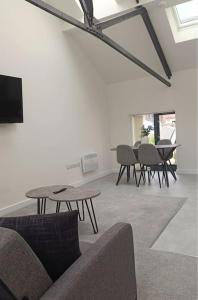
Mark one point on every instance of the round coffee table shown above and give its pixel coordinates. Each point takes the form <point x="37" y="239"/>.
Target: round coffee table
<point x="42" y="193"/>
<point x="82" y="195"/>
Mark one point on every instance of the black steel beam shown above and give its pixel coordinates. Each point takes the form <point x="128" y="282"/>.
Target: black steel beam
<point x="97" y="33"/>
<point x="155" y="40"/>
<point x="87" y="7"/>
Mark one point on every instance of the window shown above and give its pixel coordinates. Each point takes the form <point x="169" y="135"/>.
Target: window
<point x="187" y="13"/>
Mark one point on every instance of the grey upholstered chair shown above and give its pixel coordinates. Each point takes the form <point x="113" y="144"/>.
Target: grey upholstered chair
<point x="166" y="151"/>
<point x="148" y="157"/>
<point x="126" y="158"/>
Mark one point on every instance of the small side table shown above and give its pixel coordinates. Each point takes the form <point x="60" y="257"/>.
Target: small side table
<point x="42" y="193"/>
<point x="78" y="195"/>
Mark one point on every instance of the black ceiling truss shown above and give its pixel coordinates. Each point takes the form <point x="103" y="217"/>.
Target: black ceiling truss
<point x="96" y="27"/>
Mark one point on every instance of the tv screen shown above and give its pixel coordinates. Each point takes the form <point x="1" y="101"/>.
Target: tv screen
<point x="11" y="101"/>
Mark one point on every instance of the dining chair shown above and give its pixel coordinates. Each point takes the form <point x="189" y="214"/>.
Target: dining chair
<point x="148" y="157"/>
<point x="167" y="154"/>
<point x="126" y="158"/>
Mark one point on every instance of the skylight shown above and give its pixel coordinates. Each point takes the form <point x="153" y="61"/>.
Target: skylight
<point x="187" y="13"/>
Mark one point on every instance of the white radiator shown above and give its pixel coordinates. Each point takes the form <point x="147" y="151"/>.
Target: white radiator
<point x="89" y="162"/>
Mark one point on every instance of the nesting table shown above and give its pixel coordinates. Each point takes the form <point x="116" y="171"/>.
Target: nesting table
<point x="42" y="193"/>
<point x="67" y="194"/>
<point x="78" y="195"/>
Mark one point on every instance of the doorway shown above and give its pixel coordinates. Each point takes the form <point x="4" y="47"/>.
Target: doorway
<point x="157" y="126"/>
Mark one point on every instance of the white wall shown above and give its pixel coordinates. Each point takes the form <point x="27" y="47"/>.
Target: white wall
<point x="65" y="107"/>
<point x="148" y="95"/>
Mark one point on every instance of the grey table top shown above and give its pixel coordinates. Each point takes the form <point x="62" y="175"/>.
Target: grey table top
<point x="75" y="194"/>
<point x="45" y="191"/>
<point x="156" y="146"/>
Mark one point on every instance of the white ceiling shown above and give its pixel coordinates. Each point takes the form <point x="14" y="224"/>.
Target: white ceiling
<point x="132" y="34"/>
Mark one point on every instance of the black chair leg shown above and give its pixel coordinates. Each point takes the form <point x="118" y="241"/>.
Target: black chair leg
<point x="122" y="168"/>
<point x="142" y="175"/>
<point x="128" y="173"/>
<point x="119" y="175"/>
<point x="158" y="173"/>
<point x="149" y="178"/>
<point x="135" y="175"/>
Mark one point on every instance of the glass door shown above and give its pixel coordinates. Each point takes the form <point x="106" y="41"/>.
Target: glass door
<point x="165" y="128"/>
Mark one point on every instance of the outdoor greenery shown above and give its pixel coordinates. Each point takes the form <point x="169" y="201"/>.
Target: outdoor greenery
<point x="145" y="131"/>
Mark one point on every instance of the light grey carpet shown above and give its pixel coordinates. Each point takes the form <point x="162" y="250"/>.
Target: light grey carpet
<point x="160" y="275"/>
<point x="165" y="276"/>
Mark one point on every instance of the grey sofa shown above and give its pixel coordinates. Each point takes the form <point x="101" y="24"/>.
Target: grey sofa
<point x="104" y="271"/>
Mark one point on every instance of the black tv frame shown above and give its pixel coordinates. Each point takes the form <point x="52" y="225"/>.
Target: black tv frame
<point x="18" y="118"/>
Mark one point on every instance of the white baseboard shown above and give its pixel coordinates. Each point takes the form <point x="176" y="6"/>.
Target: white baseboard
<point x="187" y="171"/>
<point x="92" y="178"/>
<point x="11" y="208"/>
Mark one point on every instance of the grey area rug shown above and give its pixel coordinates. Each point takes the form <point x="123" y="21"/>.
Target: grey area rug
<point x="160" y="275"/>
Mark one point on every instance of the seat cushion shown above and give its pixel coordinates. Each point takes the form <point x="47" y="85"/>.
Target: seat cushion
<point x="53" y="238"/>
<point x="21" y="273"/>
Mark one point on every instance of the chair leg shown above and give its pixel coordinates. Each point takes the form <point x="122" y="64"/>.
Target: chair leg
<point x="170" y="167"/>
<point x="128" y="173"/>
<point x="158" y="173"/>
<point x="142" y="175"/>
<point x="135" y="175"/>
<point x="122" y="168"/>
<point x="119" y="175"/>
<point x="166" y="174"/>
<point x="149" y="178"/>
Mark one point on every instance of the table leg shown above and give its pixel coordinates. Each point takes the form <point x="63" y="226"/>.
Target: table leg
<point x="58" y="206"/>
<point x="68" y="206"/>
<point x="81" y="218"/>
<point x="43" y="206"/>
<point x="93" y="220"/>
<point x="38" y="206"/>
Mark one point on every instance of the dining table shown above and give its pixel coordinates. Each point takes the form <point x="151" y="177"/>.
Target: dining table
<point x="164" y="156"/>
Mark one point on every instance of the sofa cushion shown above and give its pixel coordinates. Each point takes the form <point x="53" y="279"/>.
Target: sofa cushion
<point x="53" y="238"/>
<point x="21" y="272"/>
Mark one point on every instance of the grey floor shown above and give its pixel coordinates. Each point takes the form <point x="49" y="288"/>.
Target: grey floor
<point x="179" y="236"/>
<point x="167" y="217"/>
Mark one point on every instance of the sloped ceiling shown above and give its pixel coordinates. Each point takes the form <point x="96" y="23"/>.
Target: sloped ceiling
<point x="132" y="34"/>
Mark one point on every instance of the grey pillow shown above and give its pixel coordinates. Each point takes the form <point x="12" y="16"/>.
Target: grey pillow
<point x="20" y="269"/>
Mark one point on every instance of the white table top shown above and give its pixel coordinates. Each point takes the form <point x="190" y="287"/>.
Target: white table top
<point x="156" y="146"/>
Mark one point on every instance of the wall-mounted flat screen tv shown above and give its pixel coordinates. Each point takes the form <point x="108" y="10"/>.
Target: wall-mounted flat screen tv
<point x="11" y="100"/>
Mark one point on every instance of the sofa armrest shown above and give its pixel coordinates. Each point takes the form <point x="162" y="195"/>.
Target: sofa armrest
<point x="104" y="272"/>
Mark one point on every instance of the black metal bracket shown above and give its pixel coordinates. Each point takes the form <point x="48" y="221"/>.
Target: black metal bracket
<point x="95" y="27"/>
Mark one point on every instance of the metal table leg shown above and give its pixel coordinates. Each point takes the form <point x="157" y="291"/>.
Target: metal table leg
<point x="93" y="220"/>
<point x="43" y="206"/>
<point x="38" y="206"/>
<point x="81" y="218"/>
<point x="58" y="206"/>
